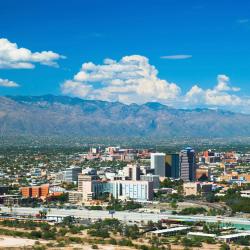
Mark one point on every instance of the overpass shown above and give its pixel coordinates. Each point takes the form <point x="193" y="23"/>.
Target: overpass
<point x="126" y="216"/>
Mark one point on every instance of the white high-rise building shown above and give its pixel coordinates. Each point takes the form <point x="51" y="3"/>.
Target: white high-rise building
<point x="158" y="163"/>
<point x="135" y="190"/>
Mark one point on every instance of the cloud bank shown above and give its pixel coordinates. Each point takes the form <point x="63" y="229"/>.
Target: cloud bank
<point x="220" y="95"/>
<point x="133" y="79"/>
<point x="12" y="57"/>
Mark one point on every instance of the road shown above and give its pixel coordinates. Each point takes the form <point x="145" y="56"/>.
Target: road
<point x="128" y="216"/>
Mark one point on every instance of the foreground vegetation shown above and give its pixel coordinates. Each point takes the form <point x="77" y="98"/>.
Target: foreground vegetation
<point x="108" y="231"/>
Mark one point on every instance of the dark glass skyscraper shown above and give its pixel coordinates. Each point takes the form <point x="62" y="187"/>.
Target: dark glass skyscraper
<point x="173" y="166"/>
<point x="187" y="164"/>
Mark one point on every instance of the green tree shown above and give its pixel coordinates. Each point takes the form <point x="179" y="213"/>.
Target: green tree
<point x="224" y="246"/>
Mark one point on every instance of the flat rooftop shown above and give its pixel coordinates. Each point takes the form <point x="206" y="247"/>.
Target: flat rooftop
<point x="231" y="236"/>
<point x="201" y="234"/>
<point x="169" y="230"/>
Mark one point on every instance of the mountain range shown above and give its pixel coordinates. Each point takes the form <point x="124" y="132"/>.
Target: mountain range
<point x="63" y="115"/>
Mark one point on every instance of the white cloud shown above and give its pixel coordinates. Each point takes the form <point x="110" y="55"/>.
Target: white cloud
<point x="223" y="84"/>
<point x="21" y="58"/>
<point x="131" y="79"/>
<point x="8" y="83"/>
<point x="218" y="96"/>
<point x="176" y="57"/>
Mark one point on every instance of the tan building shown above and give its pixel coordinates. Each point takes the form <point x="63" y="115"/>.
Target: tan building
<point x="196" y="188"/>
<point x="235" y="176"/>
<point x="86" y="185"/>
<point x="80" y="181"/>
<point x="202" y="173"/>
<point x="75" y="197"/>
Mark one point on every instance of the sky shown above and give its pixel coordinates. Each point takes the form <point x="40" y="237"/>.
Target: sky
<point x="185" y="54"/>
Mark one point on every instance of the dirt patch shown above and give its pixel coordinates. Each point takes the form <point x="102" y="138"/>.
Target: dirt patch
<point x="6" y="241"/>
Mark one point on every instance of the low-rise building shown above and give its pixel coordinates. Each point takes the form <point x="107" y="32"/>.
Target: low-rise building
<point x="235" y="236"/>
<point x="75" y="197"/>
<point x="201" y="235"/>
<point x="196" y="188"/>
<point x="202" y="173"/>
<point x="42" y="191"/>
<point x="235" y="177"/>
<point x="3" y="190"/>
<point x="245" y="193"/>
<point x="168" y="231"/>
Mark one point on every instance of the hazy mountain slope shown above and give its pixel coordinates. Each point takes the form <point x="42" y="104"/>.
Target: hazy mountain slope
<point x="61" y="115"/>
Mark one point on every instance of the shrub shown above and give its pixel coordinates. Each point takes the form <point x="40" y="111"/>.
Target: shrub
<point x="193" y="210"/>
<point x="144" y="247"/>
<point x="125" y="242"/>
<point x="36" y="234"/>
<point x="99" y="233"/>
<point x="224" y="246"/>
<point x="112" y="241"/>
<point x="49" y="235"/>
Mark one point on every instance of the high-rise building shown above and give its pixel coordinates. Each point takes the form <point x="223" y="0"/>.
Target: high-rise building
<point x="173" y="166"/>
<point x="187" y="164"/>
<point x="152" y="178"/>
<point x="81" y="178"/>
<point x="71" y="174"/>
<point x="132" y="171"/>
<point x="90" y="186"/>
<point x="127" y="189"/>
<point x="158" y="164"/>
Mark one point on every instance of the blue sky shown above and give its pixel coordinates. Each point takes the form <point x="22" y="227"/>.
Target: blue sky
<point x="210" y="38"/>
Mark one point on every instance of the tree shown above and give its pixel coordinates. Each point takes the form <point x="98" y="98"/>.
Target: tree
<point x="132" y="231"/>
<point x="224" y="246"/>
<point x="36" y="234"/>
<point x="68" y="220"/>
<point x="49" y="235"/>
<point x="210" y="197"/>
<point x="99" y="233"/>
<point x="43" y="213"/>
<point x="173" y="205"/>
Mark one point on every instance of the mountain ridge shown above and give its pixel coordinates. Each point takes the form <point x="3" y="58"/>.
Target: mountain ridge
<point x="64" y="115"/>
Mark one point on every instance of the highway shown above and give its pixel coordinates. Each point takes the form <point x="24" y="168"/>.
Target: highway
<point x="127" y="216"/>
